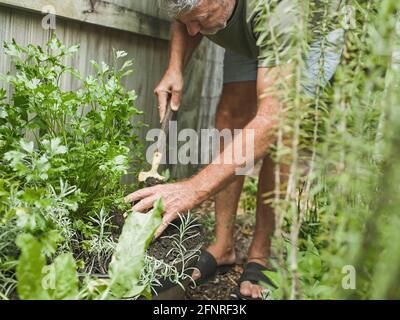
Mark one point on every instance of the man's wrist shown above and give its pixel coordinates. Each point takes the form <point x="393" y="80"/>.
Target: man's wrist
<point x="201" y="187"/>
<point x="175" y="68"/>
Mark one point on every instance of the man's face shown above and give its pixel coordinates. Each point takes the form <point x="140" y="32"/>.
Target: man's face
<point x="209" y="17"/>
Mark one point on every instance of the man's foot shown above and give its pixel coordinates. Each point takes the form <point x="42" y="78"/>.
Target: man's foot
<point x="222" y="256"/>
<point x="250" y="290"/>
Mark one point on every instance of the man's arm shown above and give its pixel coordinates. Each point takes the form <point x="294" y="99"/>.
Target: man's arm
<point x="262" y="126"/>
<point x="182" y="196"/>
<point x="182" y="46"/>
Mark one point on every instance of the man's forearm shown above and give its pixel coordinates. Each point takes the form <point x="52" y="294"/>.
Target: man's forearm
<point x="218" y="174"/>
<point x="182" y="46"/>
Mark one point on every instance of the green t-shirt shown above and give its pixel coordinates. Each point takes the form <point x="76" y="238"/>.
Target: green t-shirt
<point x="240" y="34"/>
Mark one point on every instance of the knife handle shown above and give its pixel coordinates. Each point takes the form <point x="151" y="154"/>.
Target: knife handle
<point x="167" y="118"/>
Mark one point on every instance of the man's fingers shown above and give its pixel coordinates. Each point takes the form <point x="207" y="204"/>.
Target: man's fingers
<point x="139" y="194"/>
<point x="162" y="96"/>
<point x="176" y="99"/>
<point x="160" y="230"/>
<point x="167" y="219"/>
<point x="144" y="204"/>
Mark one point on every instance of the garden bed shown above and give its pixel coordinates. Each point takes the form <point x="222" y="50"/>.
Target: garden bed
<point x="164" y="249"/>
<point x="62" y="158"/>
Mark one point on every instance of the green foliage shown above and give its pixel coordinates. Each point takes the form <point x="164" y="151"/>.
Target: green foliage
<point x="62" y="157"/>
<point x="84" y="135"/>
<point x="38" y="281"/>
<point x="343" y="210"/>
<point x="128" y="259"/>
<point x="248" y="200"/>
<point x="59" y="280"/>
<point x="30" y="266"/>
<point x="65" y="276"/>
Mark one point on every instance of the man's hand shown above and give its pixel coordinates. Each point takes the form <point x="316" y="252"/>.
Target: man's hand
<point x="171" y="83"/>
<point x="182" y="46"/>
<point x="177" y="198"/>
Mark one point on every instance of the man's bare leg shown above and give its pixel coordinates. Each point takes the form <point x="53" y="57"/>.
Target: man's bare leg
<point x="238" y="105"/>
<point x="260" y="247"/>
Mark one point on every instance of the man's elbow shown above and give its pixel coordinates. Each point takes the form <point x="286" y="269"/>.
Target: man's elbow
<point x="269" y="113"/>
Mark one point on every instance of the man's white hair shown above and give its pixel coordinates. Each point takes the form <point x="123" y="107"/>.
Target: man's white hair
<point x="178" y="7"/>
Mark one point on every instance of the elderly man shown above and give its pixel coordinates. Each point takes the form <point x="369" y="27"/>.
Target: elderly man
<point x="243" y="105"/>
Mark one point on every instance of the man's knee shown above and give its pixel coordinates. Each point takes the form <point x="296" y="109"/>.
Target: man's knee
<point x="238" y="103"/>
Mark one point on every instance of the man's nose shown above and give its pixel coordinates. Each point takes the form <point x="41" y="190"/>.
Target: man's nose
<point x="193" y="29"/>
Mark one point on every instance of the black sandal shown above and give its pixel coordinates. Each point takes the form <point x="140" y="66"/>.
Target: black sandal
<point x="208" y="267"/>
<point x="254" y="273"/>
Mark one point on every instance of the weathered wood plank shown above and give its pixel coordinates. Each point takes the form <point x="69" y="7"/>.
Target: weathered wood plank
<point x="99" y="12"/>
<point x="149" y="7"/>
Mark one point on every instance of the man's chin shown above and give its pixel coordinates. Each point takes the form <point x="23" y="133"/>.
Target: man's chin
<point x="211" y="32"/>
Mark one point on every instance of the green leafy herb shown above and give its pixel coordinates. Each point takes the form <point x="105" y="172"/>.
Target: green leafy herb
<point x="128" y="259"/>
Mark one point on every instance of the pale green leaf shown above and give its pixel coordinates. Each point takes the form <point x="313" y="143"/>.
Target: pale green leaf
<point x="128" y="259"/>
<point x="27" y="145"/>
<point x="274" y="277"/>
<point x="29" y="270"/>
<point x="66" y="278"/>
<point x="121" y="54"/>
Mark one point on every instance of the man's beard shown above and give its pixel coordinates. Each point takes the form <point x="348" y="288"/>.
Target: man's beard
<point x="210" y="32"/>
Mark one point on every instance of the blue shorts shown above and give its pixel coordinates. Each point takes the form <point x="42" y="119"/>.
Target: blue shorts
<point x="238" y="68"/>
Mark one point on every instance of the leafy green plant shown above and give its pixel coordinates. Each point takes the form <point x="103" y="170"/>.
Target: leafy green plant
<point x="342" y="211"/>
<point x="128" y="260"/>
<point x="59" y="280"/>
<point x="62" y="156"/>
<point x="38" y="281"/>
<point x="248" y="200"/>
<point x="88" y="132"/>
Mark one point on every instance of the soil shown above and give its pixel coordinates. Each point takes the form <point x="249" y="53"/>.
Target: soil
<point x="161" y="248"/>
<point x="151" y="182"/>
<point x="223" y="287"/>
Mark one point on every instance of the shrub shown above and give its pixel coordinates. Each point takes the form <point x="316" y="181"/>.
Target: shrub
<point x="62" y="157"/>
<point x="344" y="211"/>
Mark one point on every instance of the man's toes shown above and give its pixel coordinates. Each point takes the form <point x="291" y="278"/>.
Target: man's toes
<point x="248" y="289"/>
<point x="256" y="292"/>
<point x="196" y="274"/>
<point x="245" y="288"/>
